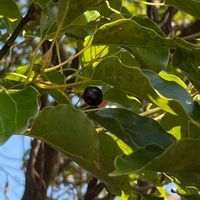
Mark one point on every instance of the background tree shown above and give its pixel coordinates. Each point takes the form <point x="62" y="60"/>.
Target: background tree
<point x="109" y="92"/>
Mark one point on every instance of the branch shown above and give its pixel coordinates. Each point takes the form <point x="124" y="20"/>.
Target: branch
<point x="28" y="17"/>
<point x="93" y="189"/>
<point x="165" y="22"/>
<point x="152" y="12"/>
<point x="190" y="30"/>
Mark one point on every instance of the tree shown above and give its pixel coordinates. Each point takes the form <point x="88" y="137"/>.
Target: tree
<point x="144" y="56"/>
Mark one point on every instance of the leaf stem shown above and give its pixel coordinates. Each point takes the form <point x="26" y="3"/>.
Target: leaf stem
<point x="150" y="112"/>
<point x="66" y="61"/>
<point x="192" y="36"/>
<point x="56" y="86"/>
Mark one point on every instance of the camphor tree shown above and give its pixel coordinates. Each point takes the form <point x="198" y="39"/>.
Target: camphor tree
<point x="106" y="86"/>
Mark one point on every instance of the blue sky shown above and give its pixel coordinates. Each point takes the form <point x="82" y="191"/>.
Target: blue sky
<point x="11" y="154"/>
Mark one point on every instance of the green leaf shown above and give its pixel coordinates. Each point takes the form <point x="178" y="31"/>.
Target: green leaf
<point x="112" y="72"/>
<point x="17" y="108"/>
<point x="155" y="59"/>
<point x="189" y="65"/>
<point x="72" y="133"/>
<point x="93" y="55"/>
<point x="48" y="23"/>
<point x="9" y="9"/>
<point x="41" y="2"/>
<point x="148" y="197"/>
<point x="171" y="90"/>
<point x="190" y="197"/>
<point x="132" y="129"/>
<point x="188" y="179"/>
<point x="119" y="97"/>
<point x="180" y="127"/>
<point x="181" y="157"/>
<point x="85" y="24"/>
<point x="69" y="10"/>
<point x="136" y="161"/>
<point x="104" y="9"/>
<point x="128" y="33"/>
<point x="20" y="74"/>
<point x="59" y="95"/>
<point x="190" y="6"/>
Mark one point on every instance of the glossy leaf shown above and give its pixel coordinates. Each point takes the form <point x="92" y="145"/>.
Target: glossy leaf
<point x="126" y="32"/>
<point x="171" y="90"/>
<point x="112" y="72"/>
<point x="136" y="161"/>
<point x="134" y="130"/>
<point x="9" y="9"/>
<point x="181" y="157"/>
<point x="79" y="141"/>
<point x="17" y="108"/>
<point x="190" y="6"/>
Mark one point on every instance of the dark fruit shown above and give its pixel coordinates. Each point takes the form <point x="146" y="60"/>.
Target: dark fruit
<point x="93" y="96"/>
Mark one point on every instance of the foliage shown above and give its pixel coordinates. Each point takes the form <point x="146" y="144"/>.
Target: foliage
<point x="150" y="126"/>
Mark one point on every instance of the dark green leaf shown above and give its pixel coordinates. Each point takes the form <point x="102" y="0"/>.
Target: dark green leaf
<point x="190" y="197"/>
<point x="112" y="71"/>
<point x="134" y="130"/>
<point x="126" y="32"/>
<point x="117" y="96"/>
<point x="188" y="61"/>
<point x="190" y="6"/>
<point x="155" y="59"/>
<point x="171" y="90"/>
<point x="41" y="2"/>
<point x="72" y="133"/>
<point x="48" y="23"/>
<point x="105" y="11"/>
<point x="59" y="95"/>
<point x="136" y="161"/>
<point x="148" y="197"/>
<point x="9" y="9"/>
<point x="181" y="157"/>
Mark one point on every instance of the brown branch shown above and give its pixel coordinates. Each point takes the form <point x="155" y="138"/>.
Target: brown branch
<point x="31" y="179"/>
<point x="152" y="12"/>
<point x="191" y="29"/>
<point x="29" y="16"/>
<point x="93" y="190"/>
<point x="165" y="22"/>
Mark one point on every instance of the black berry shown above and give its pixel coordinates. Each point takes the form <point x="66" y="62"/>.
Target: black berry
<point x="93" y="96"/>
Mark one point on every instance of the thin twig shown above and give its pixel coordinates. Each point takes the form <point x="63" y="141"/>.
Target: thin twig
<point x="29" y="16"/>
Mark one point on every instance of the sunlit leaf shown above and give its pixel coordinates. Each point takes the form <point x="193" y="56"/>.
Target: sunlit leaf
<point x="17" y="108"/>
